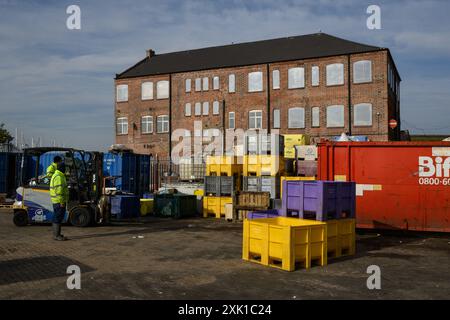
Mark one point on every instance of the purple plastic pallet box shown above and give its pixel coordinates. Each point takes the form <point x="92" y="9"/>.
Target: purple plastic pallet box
<point x="319" y="200"/>
<point x="260" y="214"/>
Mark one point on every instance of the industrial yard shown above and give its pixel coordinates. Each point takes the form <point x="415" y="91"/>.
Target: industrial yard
<point x="201" y="259"/>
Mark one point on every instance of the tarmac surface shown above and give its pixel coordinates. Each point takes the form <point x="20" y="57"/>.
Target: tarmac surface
<point x="201" y="259"/>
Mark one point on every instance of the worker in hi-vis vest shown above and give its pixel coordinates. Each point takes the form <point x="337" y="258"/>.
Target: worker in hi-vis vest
<point x="52" y="168"/>
<point x="59" y="194"/>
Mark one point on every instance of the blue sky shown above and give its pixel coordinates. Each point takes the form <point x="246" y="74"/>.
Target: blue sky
<point x="52" y="77"/>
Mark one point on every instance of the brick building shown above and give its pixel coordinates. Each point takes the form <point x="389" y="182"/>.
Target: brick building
<point x="315" y="84"/>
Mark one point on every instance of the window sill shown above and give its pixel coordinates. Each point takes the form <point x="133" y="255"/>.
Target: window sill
<point x="121" y="134"/>
<point x="147" y="99"/>
<point x="162" y="98"/>
<point x="162" y="132"/>
<point x="362" y="125"/>
<point x="335" y="85"/>
<point x="363" y="82"/>
<point x="147" y="133"/>
<point x="121" y="101"/>
<point x="296" y="88"/>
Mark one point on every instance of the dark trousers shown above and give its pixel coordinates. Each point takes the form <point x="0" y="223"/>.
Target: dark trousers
<point x="58" y="213"/>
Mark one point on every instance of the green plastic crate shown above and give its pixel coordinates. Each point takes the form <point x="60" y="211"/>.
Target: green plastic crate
<point x="175" y="205"/>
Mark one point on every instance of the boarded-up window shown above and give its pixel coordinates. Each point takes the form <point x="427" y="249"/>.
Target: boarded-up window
<point x="198" y="109"/>
<point x="315" y="76"/>
<point x="296" y="118"/>
<point x="162" y="89"/>
<point x="276" y="119"/>
<point x="122" y="93"/>
<point x="205" y="84"/>
<point x="296" y="78"/>
<point x="187" y="109"/>
<point x="315" y="117"/>
<point x="362" y="71"/>
<point x="335" y="74"/>
<point x="216" y="107"/>
<point x="276" y="79"/>
<point x="188" y="85"/>
<point x="362" y="114"/>
<point x="198" y="84"/>
<point x="216" y="83"/>
<point x="335" y="116"/>
<point x="255" y="81"/>
<point x="231" y="83"/>
<point x="205" y="108"/>
<point x="147" y="90"/>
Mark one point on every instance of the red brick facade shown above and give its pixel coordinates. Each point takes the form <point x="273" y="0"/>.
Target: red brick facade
<point x="376" y="92"/>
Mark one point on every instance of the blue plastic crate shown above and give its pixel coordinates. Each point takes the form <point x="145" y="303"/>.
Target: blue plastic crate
<point x="125" y="207"/>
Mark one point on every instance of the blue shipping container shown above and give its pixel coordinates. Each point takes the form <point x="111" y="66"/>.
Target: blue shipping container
<point x="125" y="207"/>
<point x="132" y="171"/>
<point x="3" y="172"/>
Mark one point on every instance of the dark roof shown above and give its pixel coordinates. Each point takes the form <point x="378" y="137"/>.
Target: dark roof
<point x="267" y="51"/>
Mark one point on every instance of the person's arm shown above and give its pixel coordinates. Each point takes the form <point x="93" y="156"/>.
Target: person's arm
<point x="65" y="191"/>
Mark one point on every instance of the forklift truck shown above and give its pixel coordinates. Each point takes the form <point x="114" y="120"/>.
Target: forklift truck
<point x="84" y="178"/>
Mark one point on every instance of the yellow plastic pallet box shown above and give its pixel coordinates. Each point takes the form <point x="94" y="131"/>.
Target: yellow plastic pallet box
<point x="223" y="166"/>
<point x="215" y="206"/>
<point x="263" y="165"/>
<point x="285" y="242"/>
<point x="341" y="237"/>
<point x="146" y="206"/>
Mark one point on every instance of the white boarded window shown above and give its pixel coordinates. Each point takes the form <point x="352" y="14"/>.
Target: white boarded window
<point x="315" y="117"/>
<point x="122" y="125"/>
<point x="335" y="74"/>
<point x="205" y="108"/>
<point x="216" y="83"/>
<point x="231" y="83"/>
<point x="216" y="107"/>
<point x="296" y="78"/>
<point x="188" y="85"/>
<point x="255" y="81"/>
<point x="231" y="120"/>
<point x="362" y="113"/>
<point x="198" y="84"/>
<point x="147" y="124"/>
<point x="198" y="109"/>
<point x="205" y="84"/>
<point x="122" y="93"/>
<point x="362" y="71"/>
<point x="315" y="76"/>
<point x="276" y="119"/>
<point x="296" y="118"/>
<point x="147" y="90"/>
<point x="162" y="89"/>
<point x="276" y="79"/>
<point x="187" y="110"/>
<point x="255" y="119"/>
<point x="335" y="116"/>
<point x="162" y="125"/>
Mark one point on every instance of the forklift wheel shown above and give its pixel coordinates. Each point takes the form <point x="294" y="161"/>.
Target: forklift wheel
<point x="20" y="218"/>
<point x="80" y="217"/>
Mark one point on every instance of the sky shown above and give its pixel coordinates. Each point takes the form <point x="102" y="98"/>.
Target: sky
<point x="58" y="84"/>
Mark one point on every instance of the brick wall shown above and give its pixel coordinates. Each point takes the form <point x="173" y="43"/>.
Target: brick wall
<point x="242" y="101"/>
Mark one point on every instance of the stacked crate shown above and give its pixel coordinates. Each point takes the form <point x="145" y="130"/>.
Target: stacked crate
<point x="290" y="142"/>
<point x="306" y="161"/>
<point x="263" y="164"/>
<point x="333" y="202"/>
<point x="222" y="180"/>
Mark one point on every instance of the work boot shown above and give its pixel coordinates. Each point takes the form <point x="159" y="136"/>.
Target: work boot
<point x="57" y="232"/>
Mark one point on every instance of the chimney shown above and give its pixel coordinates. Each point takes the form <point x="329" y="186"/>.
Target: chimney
<point x="150" y="53"/>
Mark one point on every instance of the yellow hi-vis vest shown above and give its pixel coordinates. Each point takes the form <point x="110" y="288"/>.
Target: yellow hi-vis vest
<point x="59" y="192"/>
<point x="51" y="170"/>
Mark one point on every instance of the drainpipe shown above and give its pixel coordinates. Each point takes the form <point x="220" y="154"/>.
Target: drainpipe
<point x="349" y="97"/>
<point x="223" y="126"/>
<point x="170" y="124"/>
<point x="268" y="98"/>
